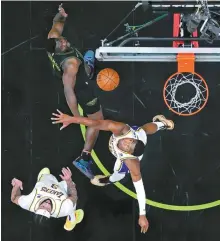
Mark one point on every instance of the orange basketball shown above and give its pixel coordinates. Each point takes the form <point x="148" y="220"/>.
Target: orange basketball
<point x="108" y="79"/>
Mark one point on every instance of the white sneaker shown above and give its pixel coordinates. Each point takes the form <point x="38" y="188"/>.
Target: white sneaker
<point x="169" y="124"/>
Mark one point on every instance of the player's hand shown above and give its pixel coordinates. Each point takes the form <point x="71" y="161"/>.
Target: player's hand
<point x="67" y="174"/>
<point x="61" y="118"/>
<point x="143" y="222"/>
<point x="62" y="11"/>
<point x="17" y="183"/>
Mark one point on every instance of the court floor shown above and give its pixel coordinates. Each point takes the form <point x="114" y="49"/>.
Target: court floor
<point x="181" y="169"/>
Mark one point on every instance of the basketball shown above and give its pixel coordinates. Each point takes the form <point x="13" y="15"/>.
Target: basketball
<point x="108" y="79"/>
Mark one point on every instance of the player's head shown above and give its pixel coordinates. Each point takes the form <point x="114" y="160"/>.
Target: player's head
<point x="43" y="212"/>
<point x="131" y="146"/>
<point x="57" y="45"/>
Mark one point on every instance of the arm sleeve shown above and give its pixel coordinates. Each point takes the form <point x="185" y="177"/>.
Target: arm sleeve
<point x="141" y="197"/>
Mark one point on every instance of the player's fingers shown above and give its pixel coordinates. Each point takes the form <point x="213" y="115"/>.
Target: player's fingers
<point x="57" y="122"/>
<point x="56" y="119"/>
<point x="145" y="229"/>
<point x="64" y="175"/>
<point x="62" y="127"/>
<point x="59" y="112"/>
<point x="14" y="181"/>
<point x="55" y="114"/>
<point x="69" y="170"/>
<point x="65" y="172"/>
<point x="61" y="176"/>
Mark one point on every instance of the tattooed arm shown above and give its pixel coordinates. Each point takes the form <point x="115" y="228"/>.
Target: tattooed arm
<point x="71" y="187"/>
<point x="71" y="191"/>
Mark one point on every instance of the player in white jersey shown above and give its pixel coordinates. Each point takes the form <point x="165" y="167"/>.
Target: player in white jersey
<point x="127" y="145"/>
<point x="50" y="198"/>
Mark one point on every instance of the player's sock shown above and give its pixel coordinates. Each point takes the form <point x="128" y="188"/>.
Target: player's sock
<point x="160" y="125"/>
<point x="86" y="155"/>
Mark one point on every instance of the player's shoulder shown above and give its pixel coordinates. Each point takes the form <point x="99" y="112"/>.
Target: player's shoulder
<point x="67" y="205"/>
<point x="68" y="202"/>
<point x="24" y="201"/>
<point x="70" y="63"/>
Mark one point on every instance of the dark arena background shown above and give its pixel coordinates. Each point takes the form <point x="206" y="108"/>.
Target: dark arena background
<point x="180" y="168"/>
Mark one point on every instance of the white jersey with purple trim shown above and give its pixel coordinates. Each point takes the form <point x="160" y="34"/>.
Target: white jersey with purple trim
<point x="48" y="187"/>
<point x="134" y="133"/>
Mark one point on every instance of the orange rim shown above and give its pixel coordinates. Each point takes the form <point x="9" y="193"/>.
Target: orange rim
<point x="182" y="114"/>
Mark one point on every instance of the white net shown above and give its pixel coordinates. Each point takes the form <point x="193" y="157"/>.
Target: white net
<point x="195" y="103"/>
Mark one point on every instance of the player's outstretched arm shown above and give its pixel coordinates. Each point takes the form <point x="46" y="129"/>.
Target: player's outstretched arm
<point x="134" y="168"/>
<point x="106" y="125"/>
<point x="69" y="81"/>
<point x="58" y="23"/>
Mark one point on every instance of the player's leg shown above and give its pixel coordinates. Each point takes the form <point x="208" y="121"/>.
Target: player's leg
<point x="91" y="133"/>
<point x="77" y="214"/>
<point x="159" y="123"/>
<point x="73" y="219"/>
<point x="93" y="110"/>
<point x="84" y="161"/>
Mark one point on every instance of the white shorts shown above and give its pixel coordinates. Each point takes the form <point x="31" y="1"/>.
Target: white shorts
<point x="120" y="167"/>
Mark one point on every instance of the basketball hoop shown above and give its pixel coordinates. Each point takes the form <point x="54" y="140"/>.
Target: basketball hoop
<point x="185" y="103"/>
<point x="192" y="106"/>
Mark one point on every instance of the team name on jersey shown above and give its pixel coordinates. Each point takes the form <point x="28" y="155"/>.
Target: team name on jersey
<point x="51" y="191"/>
